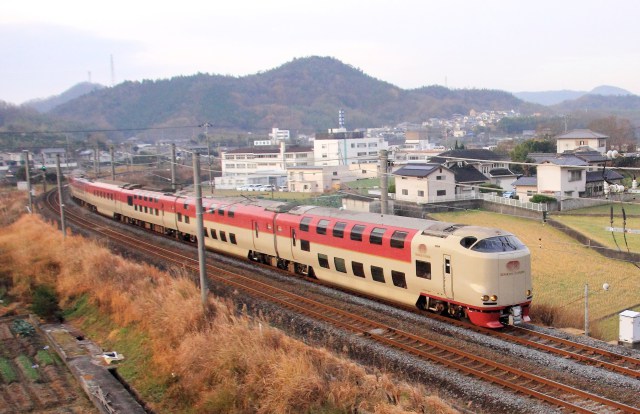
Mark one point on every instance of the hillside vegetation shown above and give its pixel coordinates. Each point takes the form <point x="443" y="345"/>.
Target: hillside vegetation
<point x="180" y="357"/>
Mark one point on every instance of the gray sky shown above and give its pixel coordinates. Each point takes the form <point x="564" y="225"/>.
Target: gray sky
<point x="48" y="46"/>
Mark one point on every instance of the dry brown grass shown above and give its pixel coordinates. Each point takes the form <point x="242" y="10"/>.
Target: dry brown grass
<point x="12" y="205"/>
<point x="207" y="361"/>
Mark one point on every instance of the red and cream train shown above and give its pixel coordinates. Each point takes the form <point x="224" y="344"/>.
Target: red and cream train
<point x="483" y="274"/>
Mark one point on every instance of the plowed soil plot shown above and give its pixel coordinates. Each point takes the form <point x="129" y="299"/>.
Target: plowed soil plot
<point x="32" y="376"/>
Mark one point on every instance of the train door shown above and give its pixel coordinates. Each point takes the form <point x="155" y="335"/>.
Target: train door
<point x="255" y="233"/>
<point x="447" y="272"/>
<point x="294" y="243"/>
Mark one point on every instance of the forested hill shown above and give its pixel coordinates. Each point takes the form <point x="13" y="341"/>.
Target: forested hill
<point x="302" y="95"/>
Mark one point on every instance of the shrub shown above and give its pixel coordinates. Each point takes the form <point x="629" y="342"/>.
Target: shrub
<point x="539" y="198"/>
<point x="45" y="303"/>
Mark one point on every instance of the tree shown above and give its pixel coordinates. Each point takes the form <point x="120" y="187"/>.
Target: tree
<point x="521" y="152"/>
<point x="619" y="130"/>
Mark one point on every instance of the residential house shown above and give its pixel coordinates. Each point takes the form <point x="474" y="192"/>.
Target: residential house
<point x="526" y="187"/>
<point x="422" y="183"/>
<point x="562" y="177"/>
<point x="577" y="138"/>
<point x="493" y="167"/>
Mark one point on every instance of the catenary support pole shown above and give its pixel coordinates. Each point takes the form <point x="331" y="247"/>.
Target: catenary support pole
<point x="113" y="164"/>
<point x="173" y="167"/>
<point x="384" y="182"/>
<point x="28" y="177"/>
<point x="204" y="290"/>
<point x="59" y="174"/>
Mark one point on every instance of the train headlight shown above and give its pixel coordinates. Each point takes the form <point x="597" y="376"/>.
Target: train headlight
<point x="494" y="298"/>
<point x="485" y="298"/>
<point x="528" y="292"/>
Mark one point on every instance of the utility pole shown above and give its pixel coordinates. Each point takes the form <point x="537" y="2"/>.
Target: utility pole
<point x="204" y="290"/>
<point x="384" y="182"/>
<point x="206" y="126"/>
<point x="173" y="167"/>
<point x="586" y="309"/>
<point x="59" y="174"/>
<point x="28" y="177"/>
<point x="96" y="163"/>
<point x="113" y="164"/>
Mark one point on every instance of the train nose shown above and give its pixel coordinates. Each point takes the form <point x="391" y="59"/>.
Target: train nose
<point x="514" y="271"/>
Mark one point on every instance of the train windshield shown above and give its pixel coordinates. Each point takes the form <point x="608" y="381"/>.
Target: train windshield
<point x="498" y="244"/>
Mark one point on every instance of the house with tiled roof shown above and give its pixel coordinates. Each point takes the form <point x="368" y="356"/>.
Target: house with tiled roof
<point x="492" y="166"/>
<point x="562" y="176"/>
<point x="577" y="138"/>
<point x="422" y="183"/>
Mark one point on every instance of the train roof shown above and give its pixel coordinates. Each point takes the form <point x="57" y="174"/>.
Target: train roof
<point x="425" y="226"/>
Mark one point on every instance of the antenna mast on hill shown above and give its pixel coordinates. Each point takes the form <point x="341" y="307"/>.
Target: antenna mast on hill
<point x="113" y="73"/>
<point x="89" y="74"/>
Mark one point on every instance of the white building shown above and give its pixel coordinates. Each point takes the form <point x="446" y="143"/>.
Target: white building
<point x="347" y="147"/>
<point x="578" y="138"/>
<point x="422" y="183"/>
<point x="261" y="164"/>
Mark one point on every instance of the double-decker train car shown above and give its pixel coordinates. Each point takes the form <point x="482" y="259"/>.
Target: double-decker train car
<point x="482" y="274"/>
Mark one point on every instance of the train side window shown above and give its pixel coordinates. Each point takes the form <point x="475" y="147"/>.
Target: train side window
<point x="223" y="236"/>
<point x="338" y="229"/>
<point x="321" y="228"/>
<point x="356" y="232"/>
<point x="212" y="209"/>
<point x="255" y="225"/>
<point x="179" y="216"/>
<point x="397" y="239"/>
<point x="293" y="237"/>
<point x="214" y="235"/>
<point x="340" y="264"/>
<point x="358" y="269"/>
<point x="129" y="200"/>
<point x="398" y="279"/>
<point x="467" y="242"/>
<point x="423" y="269"/>
<point x="145" y="198"/>
<point x="376" y="235"/>
<point x="186" y="205"/>
<point x="232" y="238"/>
<point x="206" y="232"/>
<point x="135" y="207"/>
<point x="305" y="245"/>
<point x="186" y="218"/>
<point x="221" y="210"/>
<point x="157" y="212"/>
<point x="304" y="223"/>
<point x="447" y="266"/>
<point x="323" y="260"/>
<point x="232" y="211"/>
<point x="377" y="274"/>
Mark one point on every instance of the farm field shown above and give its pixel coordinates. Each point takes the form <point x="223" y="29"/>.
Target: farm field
<point x="32" y="376"/>
<point x="560" y="269"/>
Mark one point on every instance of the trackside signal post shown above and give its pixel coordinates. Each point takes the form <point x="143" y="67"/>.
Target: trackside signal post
<point x="204" y="289"/>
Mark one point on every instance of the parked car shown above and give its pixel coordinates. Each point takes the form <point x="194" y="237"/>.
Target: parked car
<point x="266" y="187"/>
<point x="248" y="187"/>
<point x="283" y="188"/>
<point x="509" y="194"/>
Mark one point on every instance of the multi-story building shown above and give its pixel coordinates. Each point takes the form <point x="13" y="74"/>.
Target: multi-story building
<point x="581" y="138"/>
<point x="261" y="164"/>
<point x="342" y="147"/>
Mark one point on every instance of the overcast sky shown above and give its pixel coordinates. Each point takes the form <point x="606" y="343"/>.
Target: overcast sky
<point x="48" y="46"/>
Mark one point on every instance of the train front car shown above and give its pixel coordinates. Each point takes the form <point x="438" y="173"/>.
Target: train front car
<point x="486" y="274"/>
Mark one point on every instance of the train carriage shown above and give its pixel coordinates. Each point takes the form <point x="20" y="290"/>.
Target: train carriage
<point x="478" y="273"/>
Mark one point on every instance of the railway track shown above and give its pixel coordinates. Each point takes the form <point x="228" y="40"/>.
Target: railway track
<point x="567" y="397"/>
